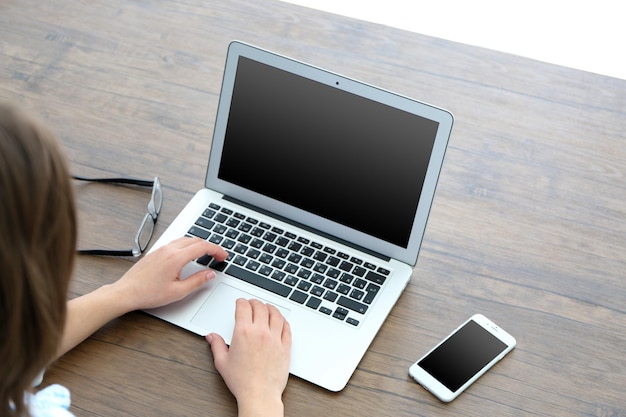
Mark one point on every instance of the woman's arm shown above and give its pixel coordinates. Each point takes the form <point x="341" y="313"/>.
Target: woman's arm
<point x="152" y="282"/>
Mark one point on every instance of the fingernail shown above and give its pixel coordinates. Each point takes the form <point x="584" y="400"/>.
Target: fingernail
<point x="209" y="338"/>
<point x="210" y="275"/>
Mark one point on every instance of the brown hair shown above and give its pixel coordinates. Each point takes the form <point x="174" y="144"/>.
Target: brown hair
<point x="37" y="247"/>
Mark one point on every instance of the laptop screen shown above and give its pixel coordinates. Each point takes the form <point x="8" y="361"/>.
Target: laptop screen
<point x="344" y="157"/>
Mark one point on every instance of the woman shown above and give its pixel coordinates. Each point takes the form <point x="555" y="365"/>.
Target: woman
<point x="37" y="247"/>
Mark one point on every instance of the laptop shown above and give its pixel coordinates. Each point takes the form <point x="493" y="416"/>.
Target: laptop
<point x="319" y="187"/>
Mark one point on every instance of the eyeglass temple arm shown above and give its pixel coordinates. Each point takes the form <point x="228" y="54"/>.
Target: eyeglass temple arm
<point x="143" y="183"/>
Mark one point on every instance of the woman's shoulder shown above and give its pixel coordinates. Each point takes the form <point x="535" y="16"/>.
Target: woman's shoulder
<point x="52" y="401"/>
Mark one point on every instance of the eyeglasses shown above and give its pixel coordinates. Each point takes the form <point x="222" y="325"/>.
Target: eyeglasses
<point x="146" y="229"/>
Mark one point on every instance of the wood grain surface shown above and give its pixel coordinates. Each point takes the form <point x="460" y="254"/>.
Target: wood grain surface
<point x="528" y="225"/>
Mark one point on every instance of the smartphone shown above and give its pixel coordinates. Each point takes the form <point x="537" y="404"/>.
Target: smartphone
<point x="462" y="357"/>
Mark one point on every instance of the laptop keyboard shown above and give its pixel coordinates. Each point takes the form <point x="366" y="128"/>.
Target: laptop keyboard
<point x="320" y="277"/>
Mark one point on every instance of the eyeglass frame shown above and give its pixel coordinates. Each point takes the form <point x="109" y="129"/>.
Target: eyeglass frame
<point x="154" y="208"/>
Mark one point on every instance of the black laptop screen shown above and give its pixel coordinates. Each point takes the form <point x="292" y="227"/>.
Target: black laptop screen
<point x="349" y="159"/>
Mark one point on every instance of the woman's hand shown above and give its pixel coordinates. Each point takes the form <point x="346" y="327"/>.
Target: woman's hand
<point x="256" y="366"/>
<point x="155" y="281"/>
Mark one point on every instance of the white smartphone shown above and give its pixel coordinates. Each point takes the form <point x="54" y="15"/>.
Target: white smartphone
<point x="462" y="357"/>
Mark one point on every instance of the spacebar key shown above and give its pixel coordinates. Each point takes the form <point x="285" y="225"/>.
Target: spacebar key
<point x="258" y="280"/>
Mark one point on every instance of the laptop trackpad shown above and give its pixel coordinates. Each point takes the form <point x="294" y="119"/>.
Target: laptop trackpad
<point x="217" y="314"/>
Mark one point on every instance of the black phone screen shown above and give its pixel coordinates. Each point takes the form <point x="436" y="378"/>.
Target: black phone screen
<point x="462" y="355"/>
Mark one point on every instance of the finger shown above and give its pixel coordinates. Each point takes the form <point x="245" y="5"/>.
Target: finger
<point x="193" y="282"/>
<point x="286" y="335"/>
<point x="260" y="312"/>
<point x="243" y="311"/>
<point x="218" y="347"/>
<point x="276" y="319"/>
<point x="211" y="248"/>
<point x="200" y="247"/>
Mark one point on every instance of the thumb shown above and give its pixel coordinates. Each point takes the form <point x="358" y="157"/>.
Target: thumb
<point x="218" y="346"/>
<point x="195" y="281"/>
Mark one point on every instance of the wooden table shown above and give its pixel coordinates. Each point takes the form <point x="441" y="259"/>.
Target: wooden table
<point x="528" y="224"/>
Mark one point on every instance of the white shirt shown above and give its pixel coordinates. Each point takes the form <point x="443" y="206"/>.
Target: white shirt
<point x="52" y="401"/>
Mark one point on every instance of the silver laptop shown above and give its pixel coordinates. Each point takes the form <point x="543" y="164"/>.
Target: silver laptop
<point x="319" y="187"/>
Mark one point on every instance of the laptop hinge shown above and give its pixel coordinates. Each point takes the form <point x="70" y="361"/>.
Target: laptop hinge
<point x="307" y="228"/>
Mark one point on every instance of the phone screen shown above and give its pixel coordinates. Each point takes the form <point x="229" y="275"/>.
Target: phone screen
<point x="462" y="355"/>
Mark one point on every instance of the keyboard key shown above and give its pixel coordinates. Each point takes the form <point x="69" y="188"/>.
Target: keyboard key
<point x="360" y="283"/>
<point x="253" y="253"/>
<point x="257" y="243"/>
<point x="265" y="270"/>
<point x="345" y="266"/>
<point x="320" y="256"/>
<point x="374" y="277"/>
<point x="206" y="223"/>
<point x="220" y="228"/>
<point x="241" y="248"/>
<point x="269" y="236"/>
<point x="269" y="248"/>
<point x="330" y="283"/>
<point x="343" y="289"/>
<point x="304" y="273"/>
<point x="359" y="271"/>
<point x="298" y="297"/>
<point x="313" y="303"/>
<point x="232" y="222"/>
<point x="204" y="260"/>
<point x="278" y="263"/>
<point x="352" y="321"/>
<point x="228" y="244"/>
<point x="304" y="285"/>
<point x="220" y="217"/>
<point x="307" y="263"/>
<point x="340" y="313"/>
<point x="330" y="296"/>
<point x="265" y="258"/>
<point x="291" y="280"/>
<point x="252" y="265"/>
<point x="278" y="275"/>
<point x="216" y="239"/>
<point x="346" y="278"/>
<point x="318" y="291"/>
<point x="307" y="251"/>
<point x="258" y="280"/>
<point x="325" y="310"/>
<point x="356" y="294"/>
<point x="199" y="232"/>
<point x="317" y="278"/>
<point x="218" y="265"/>
<point x="294" y="246"/>
<point x="333" y="273"/>
<point x="332" y="261"/>
<point x="352" y="305"/>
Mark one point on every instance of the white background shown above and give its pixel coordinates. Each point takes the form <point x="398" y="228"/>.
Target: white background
<point x="588" y="35"/>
